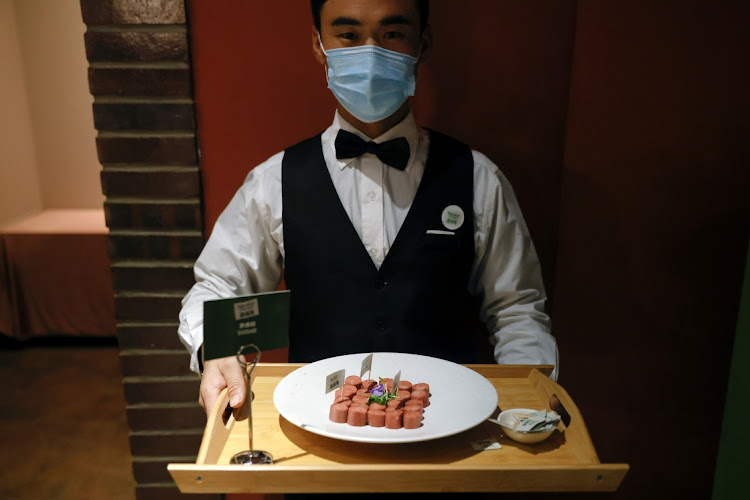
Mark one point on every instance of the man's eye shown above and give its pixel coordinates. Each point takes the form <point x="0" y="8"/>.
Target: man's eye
<point x="389" y="35"/>
<point x="348" y="36"/>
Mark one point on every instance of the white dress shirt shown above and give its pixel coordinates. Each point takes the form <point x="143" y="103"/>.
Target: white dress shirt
<point x="245" y="252"/>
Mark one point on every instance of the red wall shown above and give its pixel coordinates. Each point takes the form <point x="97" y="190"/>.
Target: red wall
<point x="654" y="229"/>
<point x="257" y="86"/>
<point x="620" y="125"/>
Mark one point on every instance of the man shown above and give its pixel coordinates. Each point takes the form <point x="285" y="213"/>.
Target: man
<point x="390" y="237"/>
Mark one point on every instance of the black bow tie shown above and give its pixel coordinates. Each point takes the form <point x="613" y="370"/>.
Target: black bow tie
<point x="394" y="152"/>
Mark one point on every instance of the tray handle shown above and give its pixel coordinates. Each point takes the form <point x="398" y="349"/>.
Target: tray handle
<point x="556" y="405"/>
<point x="560" y="401"/>
<point x="219" y="426"/>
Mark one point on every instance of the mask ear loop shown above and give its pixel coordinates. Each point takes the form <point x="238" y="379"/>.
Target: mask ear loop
<point x="320" y="41"/>
<point x="421" y="43"/>
<point x="419" y="56"/>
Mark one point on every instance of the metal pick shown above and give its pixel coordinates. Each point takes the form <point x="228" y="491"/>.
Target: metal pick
<point x="251" y="456"/>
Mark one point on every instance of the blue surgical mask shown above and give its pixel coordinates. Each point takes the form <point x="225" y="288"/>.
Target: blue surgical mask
<point x="369" y="81"/>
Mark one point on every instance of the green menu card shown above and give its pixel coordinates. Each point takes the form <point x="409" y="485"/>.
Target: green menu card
<point x="261" y="319"/>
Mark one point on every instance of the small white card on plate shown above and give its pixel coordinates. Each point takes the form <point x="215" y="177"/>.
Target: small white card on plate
<point x="396" y="381"/>
<point x="335" y="380"/>
<point x="366" y="365"/>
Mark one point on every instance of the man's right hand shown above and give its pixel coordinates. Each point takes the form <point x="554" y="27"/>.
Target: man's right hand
<point x="218" y="374"/>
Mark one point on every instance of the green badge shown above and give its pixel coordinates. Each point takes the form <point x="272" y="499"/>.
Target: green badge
<point x="453" y="217"/>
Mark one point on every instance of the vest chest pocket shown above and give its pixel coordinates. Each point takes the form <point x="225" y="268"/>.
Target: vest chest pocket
<point x="441" y="243"/>
<point x="443" y="259"/>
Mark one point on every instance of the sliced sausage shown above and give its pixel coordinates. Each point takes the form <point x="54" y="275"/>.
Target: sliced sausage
<point x="395" y="403"/>
<point x="347" y="391"/>
<point x="338" y="413"/>
<point x="412" y="418"/>
<point x="414" y="403"/>
<point x="357" y="415"/>
<point x="404" y="385"/>
<point x="421" y="387"/>
<point x="423" y="396"/>
<point x="361" y="399"/>
<point x="369" y="384"/>
<point x="403" y="394"/>
<point x="394" y="418"/>
<point x="376" y="418"/>
<point x="354" y="380"/>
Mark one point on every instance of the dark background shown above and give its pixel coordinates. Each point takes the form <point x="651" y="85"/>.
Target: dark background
<point x="622" y="126"/>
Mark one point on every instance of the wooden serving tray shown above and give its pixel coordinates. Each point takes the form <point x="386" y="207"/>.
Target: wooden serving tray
<point x="308" y="463"/>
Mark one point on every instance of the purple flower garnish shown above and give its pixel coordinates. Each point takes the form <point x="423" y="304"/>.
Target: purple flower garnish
<point x="378" y="391"/>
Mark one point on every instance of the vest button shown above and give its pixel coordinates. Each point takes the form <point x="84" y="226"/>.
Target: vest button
<point x="380" y="325"/>
<point x="380" y="284"/>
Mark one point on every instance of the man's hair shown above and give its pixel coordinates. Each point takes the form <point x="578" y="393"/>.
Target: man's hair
<point x="422" y="5"/>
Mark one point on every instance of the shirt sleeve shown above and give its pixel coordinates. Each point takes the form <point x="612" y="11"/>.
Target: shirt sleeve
<point x="243" y="255"/>
<point x="507" y="274"/>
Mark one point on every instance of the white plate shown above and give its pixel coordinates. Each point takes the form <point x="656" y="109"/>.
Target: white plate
<point x="460" y="398"/>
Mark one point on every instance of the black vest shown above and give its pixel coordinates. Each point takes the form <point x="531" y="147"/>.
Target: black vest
<point x="417" y="302"/>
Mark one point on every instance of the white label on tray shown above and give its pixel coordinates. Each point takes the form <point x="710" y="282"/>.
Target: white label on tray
<point x="366" y="365"/>
<point x="485" y="444"/>
<point x="334" y="380"/>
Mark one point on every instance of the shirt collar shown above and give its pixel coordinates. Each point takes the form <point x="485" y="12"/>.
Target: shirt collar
<point x="406" y="128"/>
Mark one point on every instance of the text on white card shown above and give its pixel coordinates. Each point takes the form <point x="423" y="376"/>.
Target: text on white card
<point x="335" y="380"/>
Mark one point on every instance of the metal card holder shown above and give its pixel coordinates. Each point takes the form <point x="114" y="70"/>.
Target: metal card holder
<point x="250" y="456"/>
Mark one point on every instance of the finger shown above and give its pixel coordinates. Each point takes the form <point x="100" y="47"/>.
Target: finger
<point x="212" y="384"/>
<point x="208" y="398"/>
<point x="235" y="379"/>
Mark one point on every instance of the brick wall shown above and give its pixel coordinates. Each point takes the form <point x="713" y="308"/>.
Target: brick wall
<point x="139" y="75"/>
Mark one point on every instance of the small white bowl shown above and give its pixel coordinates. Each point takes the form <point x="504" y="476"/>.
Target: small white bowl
<point x="508" y="422"/>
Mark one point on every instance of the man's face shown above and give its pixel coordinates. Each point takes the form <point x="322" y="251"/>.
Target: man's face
<point x="390" y="24"/>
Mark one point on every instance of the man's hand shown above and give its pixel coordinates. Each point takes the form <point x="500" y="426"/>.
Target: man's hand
<point x="218" y="374"/>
